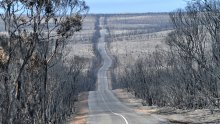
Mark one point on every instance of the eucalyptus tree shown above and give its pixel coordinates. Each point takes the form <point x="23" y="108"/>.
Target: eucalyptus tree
<point x="196" y="37"/>
<point x="187" y="75"/>
<point x="36" y="31"/>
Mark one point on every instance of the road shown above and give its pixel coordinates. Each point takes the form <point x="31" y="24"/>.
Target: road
<point x="104" y="106"/>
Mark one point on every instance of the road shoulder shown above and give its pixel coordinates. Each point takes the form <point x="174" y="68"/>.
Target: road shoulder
<point x="177" y="116"/>
<point x="82" y="110"/>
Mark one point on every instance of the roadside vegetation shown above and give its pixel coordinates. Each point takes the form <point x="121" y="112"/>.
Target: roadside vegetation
<point x="185" y="74"/>
<point x="165" y="59"/>
<point x="39" y="80"/>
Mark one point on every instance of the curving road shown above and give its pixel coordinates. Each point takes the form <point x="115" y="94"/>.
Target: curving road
<point x="104" y="107"/>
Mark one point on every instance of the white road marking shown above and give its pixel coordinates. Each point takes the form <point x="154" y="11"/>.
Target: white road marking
<point x="121" y="116"/>
<point x="126" y="122"/>
<point x="104" y="50"/>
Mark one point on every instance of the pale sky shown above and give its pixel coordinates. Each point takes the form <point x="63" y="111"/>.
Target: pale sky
<point x="134" y="6"/>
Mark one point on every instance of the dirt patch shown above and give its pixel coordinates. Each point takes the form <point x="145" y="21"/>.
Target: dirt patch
<point x="128" y="98"/>
<point x="193" y="116"/>
<point x="82" y="110"/>
<point x="177" y="116"/>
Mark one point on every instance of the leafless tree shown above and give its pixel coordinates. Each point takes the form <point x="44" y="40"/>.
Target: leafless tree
<point x="35" y="34"/>
<point x="187" y="75"/>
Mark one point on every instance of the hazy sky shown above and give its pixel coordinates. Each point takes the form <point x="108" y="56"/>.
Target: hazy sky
<point x="134" y="6"/>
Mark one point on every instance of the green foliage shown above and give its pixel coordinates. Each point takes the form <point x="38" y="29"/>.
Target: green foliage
<point x="69" y="25"/>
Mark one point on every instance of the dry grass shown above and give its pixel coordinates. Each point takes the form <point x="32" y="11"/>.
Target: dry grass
<point x="127" y="52"/>
<point x="80" y="49"/>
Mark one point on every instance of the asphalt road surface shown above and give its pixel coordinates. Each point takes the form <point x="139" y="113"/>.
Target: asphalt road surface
<point x="104" y="106"/>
